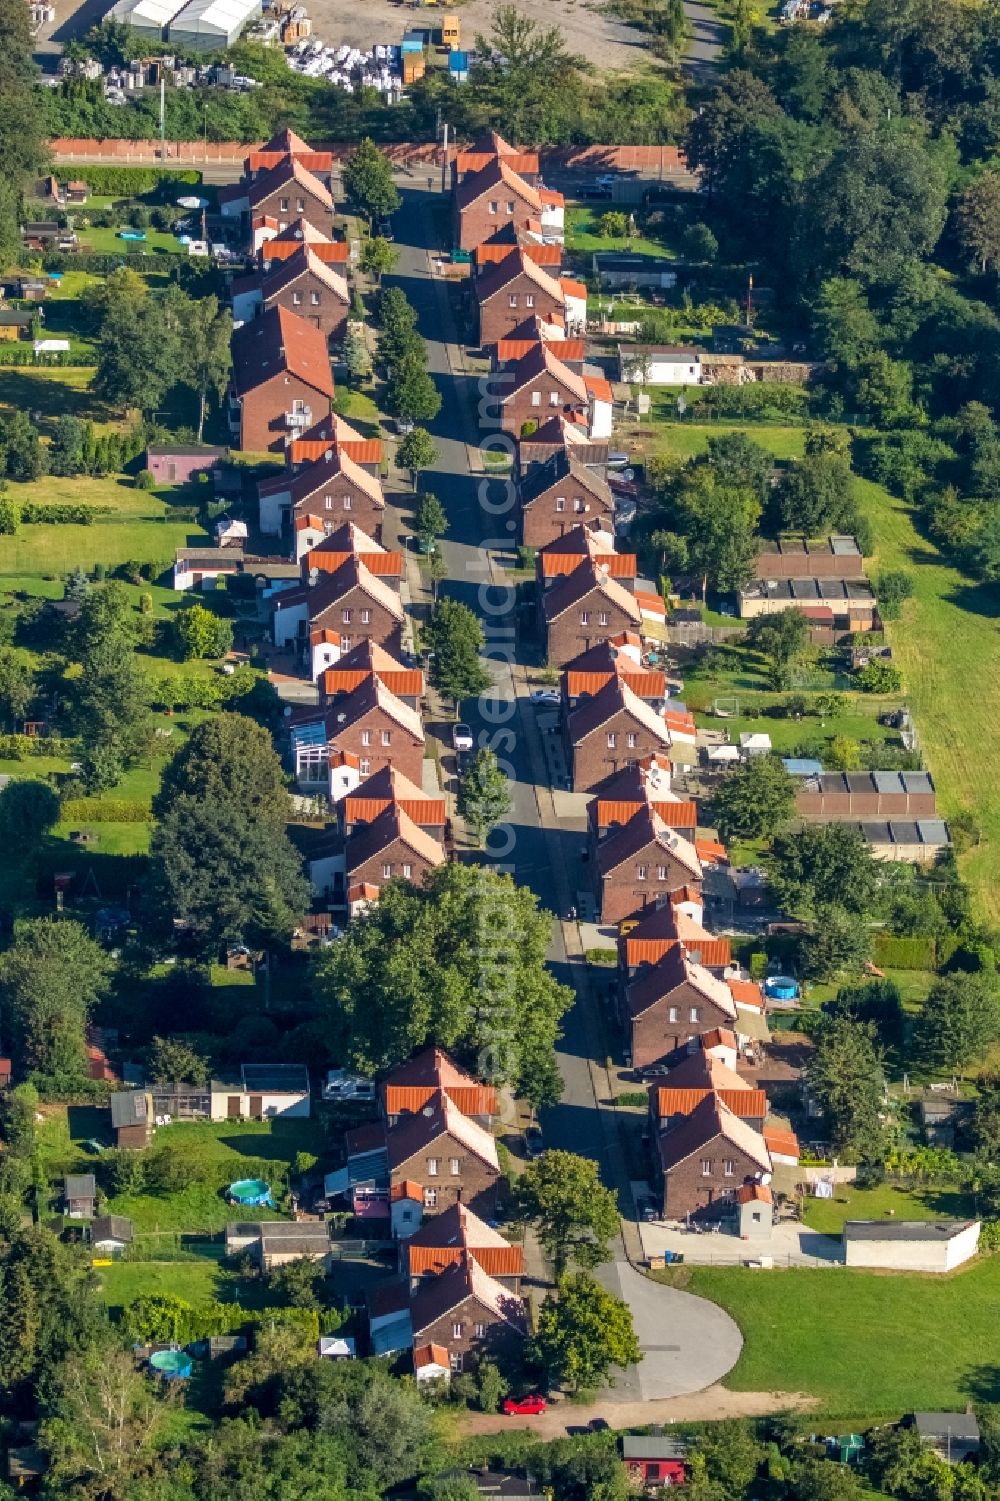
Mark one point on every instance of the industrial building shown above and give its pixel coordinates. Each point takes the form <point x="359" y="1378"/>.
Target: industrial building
<point x="149" y="18"/>
<point x="211" y="25"/>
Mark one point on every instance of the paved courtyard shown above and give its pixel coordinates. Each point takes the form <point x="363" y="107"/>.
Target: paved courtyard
<point x="789" y="1244"/>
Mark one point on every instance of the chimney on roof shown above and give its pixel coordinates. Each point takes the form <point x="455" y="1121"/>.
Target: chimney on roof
<point x="313" y="577"/>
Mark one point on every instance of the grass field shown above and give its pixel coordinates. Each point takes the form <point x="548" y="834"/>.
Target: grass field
<point x="46" y="394"/>
<point x="584" y="236"/>
<point x="850" y="1203"/>
<point x="862" y="1342"/>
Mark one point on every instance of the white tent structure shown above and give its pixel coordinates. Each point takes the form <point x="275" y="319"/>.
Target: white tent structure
<point x="148" y="17"/>
<point x="211" y="25"/>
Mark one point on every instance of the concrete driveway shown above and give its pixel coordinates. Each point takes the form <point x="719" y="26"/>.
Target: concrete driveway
<point x="687" y="1342"/>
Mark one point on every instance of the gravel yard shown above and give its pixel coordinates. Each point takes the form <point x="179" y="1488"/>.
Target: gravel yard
<point x="600" y="39"/>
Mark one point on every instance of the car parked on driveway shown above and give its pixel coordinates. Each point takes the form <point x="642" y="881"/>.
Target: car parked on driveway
<point x="526" y="1406"/>
<point x="547" y="698"/>
<point x="533" y="1142"/>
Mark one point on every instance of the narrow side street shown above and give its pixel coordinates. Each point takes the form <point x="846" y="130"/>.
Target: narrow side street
<point x="688" y="1342"/>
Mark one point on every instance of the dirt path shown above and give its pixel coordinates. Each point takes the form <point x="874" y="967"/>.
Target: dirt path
<point x="713" y="1403"/>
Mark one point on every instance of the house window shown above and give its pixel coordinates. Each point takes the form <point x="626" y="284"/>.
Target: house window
<point x="296" y="299"/>
<point x="536" y="398"/>
<point x="366" y="737"/>
<point x="345" y="643"/>
<point x="584" y="617"/>
<point x="602" y="619"/>
<point x="387" y="872"/>
<point x="529" y="299"/>
<point x="348" y="503"/>
<point x="673" y="1014"/>
<point x="579" y="507"/>
<point x="612" y="740"/>
<point x="408" y="872"/>
<point x="455" y="1360"/>
<point x="640" y="872"/>
<point x="706" y="1167"/>
<point x="386" y="737"/>
<point x="430" y="1198"/>
<point x="365" y="767"/>
<point x="345" y="616"/>
<point x="314" y="298"/>
<point x="553" y="398"/>
<point x="480" y="1331"/>
<point x="283" y="205"/>
<point x="455" y="1164"/>
<point x="493" y="208"/>
<point x="366" y="617"/>
<point x="328" y="502"/>
<point x="661" y="872"/>
<point x="433" y="1166"/>
<point x="631" y="739"/>
<point x="457" y="1330"/>
<point x="512" y="299"/>
<point x="510" y="205"/>
<point x="300" y="205"/>
<point x="560" y="502"/>
<point x="729" y="1167"/>
<point x="652" y="1472"/>
<point x="695" y="1014"/>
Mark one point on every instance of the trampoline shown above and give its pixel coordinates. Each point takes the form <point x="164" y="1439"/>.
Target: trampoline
<point x="172" y="1365"/>
<point x="250" y="1191"/>
<point x="781" y="987"/>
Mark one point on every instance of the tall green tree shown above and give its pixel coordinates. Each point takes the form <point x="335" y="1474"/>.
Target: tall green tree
<point x="719" y="523"/>
<point x="51" y="978"/>
<point x="574" y="1215"/>
<point x="846" y="1078"/>
<point x="454" y="637"/>
<point x="459" y="961"/>
<point x="378" y="257"/>
<point x="221" y="859"/>
<point x="368" y="183"/>
<point x="824" y="865"/>
<point x="23" y="145"/>
<point x="484" y="796"/>
<point x="137" y="358"/>
<point x="583" y="1332"/>
<point x="206" y="357"/>
<point x="412" y="395"/>
<point x="106" y="1425"/>
<point x="755" y="800"/>
<point x="959" y="1021"/>
<point x="107" y="708"/>
<point x="978" y="220"/>
<point x="417" y="451"/>
<point x="783" y="638"/>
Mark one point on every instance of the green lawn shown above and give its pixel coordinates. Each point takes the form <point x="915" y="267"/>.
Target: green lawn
<point x="883" y="1344"/>
<point x="583" y="234"/>
<point x="685" y="439"/>
<point x="198" y="1279"/>
<point x="888" y="1202"/>
<point x="50" y="393"/>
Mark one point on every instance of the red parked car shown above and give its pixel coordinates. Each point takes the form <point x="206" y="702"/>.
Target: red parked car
<point x="530" y="1406"/>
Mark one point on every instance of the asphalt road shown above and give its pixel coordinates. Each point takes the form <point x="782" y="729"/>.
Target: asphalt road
<point x="688" y="1343"/>
<point x="707" y="40"/>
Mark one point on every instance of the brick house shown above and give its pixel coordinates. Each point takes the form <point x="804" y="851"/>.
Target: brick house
<point x="424" y="1078"/>
<point x="496" y="196"/>
<point x="470" y="1314"/>
<point x="325" y="548"/>
<point x="287" y="242"/>
<point x="355" y="735"/>
<point x="389" y="788"/>
<point x="610" y="731"/>
<point x="311" y="289"/>
<point x="556" y="435"/>
<point x="334" y="488"/>
<point x="640" y="863"/>
<point x="177" y="463"/>
<point x="493" y="250"/>
<point x="569" y="352"/>
<point x="700" y="1074"/>
<point x="666" y="922"/>
<point x="538" y="385"/>
<point x="617" y="657"/>
<point x="332" y="612"/>
<point x="622" y="796"/>
<point x="487" y="148"/>
<point x="369" y="659"/>
<point x="281" y="380"/>
<point x="449" y="1237"/>
<point x="582" y="542"/>
<point x="703" y="1160"/>
<point x="583" y="608"/>
<point x="333" y="432"/>
<point x="290" y="191"/>
<point x="449" y="1156"/>
<point x="668" y="1004"/>
<point x="557" y="494"/>
<point x="390" y="847"/>
<point x="512" y="290"/>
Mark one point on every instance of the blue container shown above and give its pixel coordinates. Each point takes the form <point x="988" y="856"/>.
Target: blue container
<point x="413" y="41"/>
<point x="458" y="62"/>
<point x="781" y="987"/>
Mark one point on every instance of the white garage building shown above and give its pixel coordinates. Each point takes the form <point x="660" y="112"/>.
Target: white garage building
<point x="659" y="365"/>
<point x="910" y="1245"/>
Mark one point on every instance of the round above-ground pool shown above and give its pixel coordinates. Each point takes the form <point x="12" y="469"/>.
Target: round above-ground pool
<point x="172" y="1365"/>
<point x="781" y="987"/>
<point x="250" y="1191"/>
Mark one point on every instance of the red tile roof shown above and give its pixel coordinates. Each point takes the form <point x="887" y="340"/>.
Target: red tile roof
<point x="279" y="341"/>
<point x="749" y="1104"/>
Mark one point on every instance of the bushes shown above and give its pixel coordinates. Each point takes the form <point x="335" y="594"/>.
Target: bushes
<point x="127" y="182"/>
<point x="890" y="952"/>
<point x="757" y="400"/>
<point x="53" y="514"/>
<point x="17" y="747"/>
<point x="104" y="810"/>
<point x="99" y="265"/>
